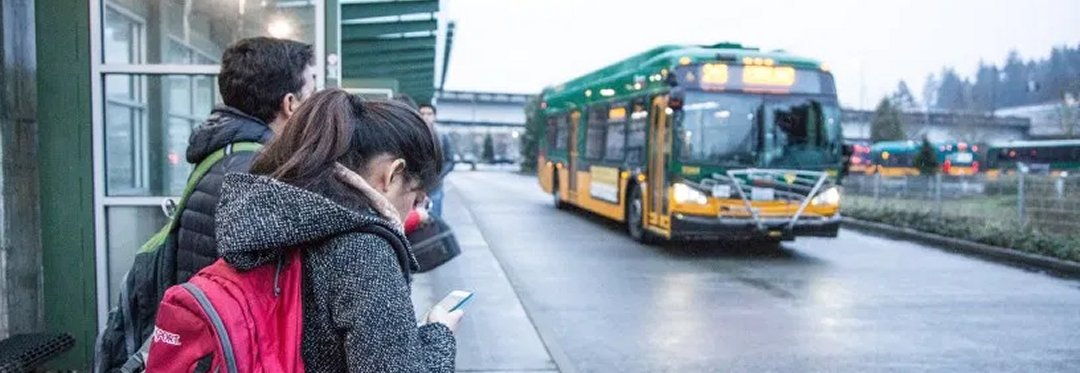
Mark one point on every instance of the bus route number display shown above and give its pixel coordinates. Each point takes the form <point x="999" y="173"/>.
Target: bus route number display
<point x="755" y="78"/>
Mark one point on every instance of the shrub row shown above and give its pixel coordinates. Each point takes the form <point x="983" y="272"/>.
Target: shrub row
<point x="1027" y="239"/>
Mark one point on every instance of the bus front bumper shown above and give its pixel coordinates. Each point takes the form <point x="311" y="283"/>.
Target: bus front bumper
<point x="690" y="227"/>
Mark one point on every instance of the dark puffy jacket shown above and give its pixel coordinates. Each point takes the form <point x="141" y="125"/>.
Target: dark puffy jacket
<point x="197" y="247"/>
<point x="448" y="154"/>
<point x="358" y="316"/>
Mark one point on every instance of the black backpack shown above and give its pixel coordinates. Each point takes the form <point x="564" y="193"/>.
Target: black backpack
<point x="121" y="345"/>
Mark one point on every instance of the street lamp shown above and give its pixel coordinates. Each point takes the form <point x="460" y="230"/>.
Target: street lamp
<point x="280" y="28"/>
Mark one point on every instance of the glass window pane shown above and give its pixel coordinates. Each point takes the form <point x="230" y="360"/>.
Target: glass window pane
<point x="119" y="149"/>
<point x="201" y="32"/>
<point x="205" y="88"/>
<point x="563" y="130"/>
<point x="176" y="166"/>
<point x="146" y="135"/>
<point x="595" y="133"/>
<point x="127" y="228"/>
<point x="178" y="53"/>
<point x="121" y="37"/>
<point x="616" y="138"/>
<point x="180" y="95"/>
<point x="120" y="87"/>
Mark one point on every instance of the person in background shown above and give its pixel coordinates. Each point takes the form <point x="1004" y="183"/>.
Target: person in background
<point x="428" y="112"/>
<point x="420" y="215"/>
<point x="342" y="169"/>
<point x="262" y="83"/>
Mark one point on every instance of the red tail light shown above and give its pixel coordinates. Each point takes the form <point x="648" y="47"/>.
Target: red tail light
<point x="947" y="166"/>
<point x="975" y="167"/>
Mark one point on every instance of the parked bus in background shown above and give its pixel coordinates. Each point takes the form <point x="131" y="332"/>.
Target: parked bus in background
<point x="860" y="159"/>
<point x="894" y="158"/>
<point x="958" y="158"/>
<point x="897" y="158"/>
<point x="699" y="142"/>
<point x="1048" y="156"/>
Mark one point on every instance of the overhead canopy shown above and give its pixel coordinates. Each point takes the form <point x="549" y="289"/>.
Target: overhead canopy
<point x="390" y="44"/>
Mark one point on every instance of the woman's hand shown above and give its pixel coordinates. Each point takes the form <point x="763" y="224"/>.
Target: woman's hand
<point x="450" y="319"/>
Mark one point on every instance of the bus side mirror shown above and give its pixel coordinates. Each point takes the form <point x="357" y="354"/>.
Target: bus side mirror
<point x="675" y="103"/>
<point x="675" y="100"/>
<point x="848" y="150"/>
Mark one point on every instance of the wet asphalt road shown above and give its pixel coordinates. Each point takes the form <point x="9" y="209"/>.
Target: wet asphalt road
<point x="604" y="303"/>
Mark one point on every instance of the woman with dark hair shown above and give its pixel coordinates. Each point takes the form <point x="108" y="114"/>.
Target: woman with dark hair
<point x="343" y="168"/>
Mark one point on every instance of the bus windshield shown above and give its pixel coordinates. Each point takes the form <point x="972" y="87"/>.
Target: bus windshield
<point x="734" y="129"/>
<point x="800" y="132"/>
<point x="719" y="128"/>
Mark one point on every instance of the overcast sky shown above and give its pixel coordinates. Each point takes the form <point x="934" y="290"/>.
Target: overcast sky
<point x="522" y="46"/>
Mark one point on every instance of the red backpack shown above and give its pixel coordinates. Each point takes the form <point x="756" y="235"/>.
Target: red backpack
<point x="224" y="320"/>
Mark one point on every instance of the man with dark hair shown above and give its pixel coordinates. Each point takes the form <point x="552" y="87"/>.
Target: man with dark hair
<point x="262" y="82"/>
<point x="428" y="112"/>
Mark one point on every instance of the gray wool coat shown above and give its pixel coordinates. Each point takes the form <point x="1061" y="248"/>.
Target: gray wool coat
<point x="358" y="316"/>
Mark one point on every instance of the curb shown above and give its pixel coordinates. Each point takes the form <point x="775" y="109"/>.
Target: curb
<point x="1010" y="257"/>
<point x="545" y="332"/>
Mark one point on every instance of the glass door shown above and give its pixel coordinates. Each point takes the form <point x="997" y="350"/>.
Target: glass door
<point x="658" y="149"/>
<point x="575" y="119"/>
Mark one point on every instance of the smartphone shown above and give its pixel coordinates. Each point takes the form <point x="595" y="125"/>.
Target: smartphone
<point x="455" y="300"/>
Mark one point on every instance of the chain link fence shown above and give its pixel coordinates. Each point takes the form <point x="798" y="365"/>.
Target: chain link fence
<point x="1042" y="202"/>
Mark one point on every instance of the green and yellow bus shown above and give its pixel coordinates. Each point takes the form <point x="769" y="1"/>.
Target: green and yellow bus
<point x="897" y="158"/>
<point x="1049" y="156"/>
<point x="894" y="158"/>
<point x="699" y="142"/>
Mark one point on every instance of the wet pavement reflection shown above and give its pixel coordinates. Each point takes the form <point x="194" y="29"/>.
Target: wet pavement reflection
<point x="602" y="302"/>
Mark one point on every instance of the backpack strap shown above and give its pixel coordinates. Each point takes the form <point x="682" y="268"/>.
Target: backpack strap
<point x="405" y="256"/>
<point x="196" y="176"/>
<point x="137" y="362"/>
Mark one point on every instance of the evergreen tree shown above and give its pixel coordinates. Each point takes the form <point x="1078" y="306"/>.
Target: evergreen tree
<point x="952" y="93"/>
<point x="926" y="160"/>
<point x="985" y="92"/>
<point x="903" y="99"/>
<point x="534" y="134"/>
<point x="886" y="125"/>
<point x="489" y="149"/>
<point x="929" y="92"/>
<point x="1015" y="83"/>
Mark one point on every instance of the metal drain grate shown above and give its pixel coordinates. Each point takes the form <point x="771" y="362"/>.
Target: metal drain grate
<point x="26" y="352"/>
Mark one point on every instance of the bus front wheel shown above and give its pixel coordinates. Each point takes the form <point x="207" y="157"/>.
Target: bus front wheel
<point x="635" y="217"/>
<point x="558" y="202"/>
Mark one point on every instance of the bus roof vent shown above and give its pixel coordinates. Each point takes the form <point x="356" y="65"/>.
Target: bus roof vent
<point x="730" y="45"/>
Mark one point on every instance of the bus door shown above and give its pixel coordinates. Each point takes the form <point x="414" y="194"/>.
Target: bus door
<point x="575" y="119"/>
<point x="658" y="149"/>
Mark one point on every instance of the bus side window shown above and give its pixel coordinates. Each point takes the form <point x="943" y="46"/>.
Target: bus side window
<point x="562" y="132"/>
<point x="615" y="147"/>
<point x="596" y="128"/>
<point x="635" y="136"/>
<point x="552" y="132"/>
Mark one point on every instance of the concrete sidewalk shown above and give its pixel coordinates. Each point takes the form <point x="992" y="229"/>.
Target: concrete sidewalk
<point x="496" y="334"/>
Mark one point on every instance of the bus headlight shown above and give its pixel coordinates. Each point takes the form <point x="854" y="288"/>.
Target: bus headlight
<point x="686" y="194"/>
<point x="830" y="196"/>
